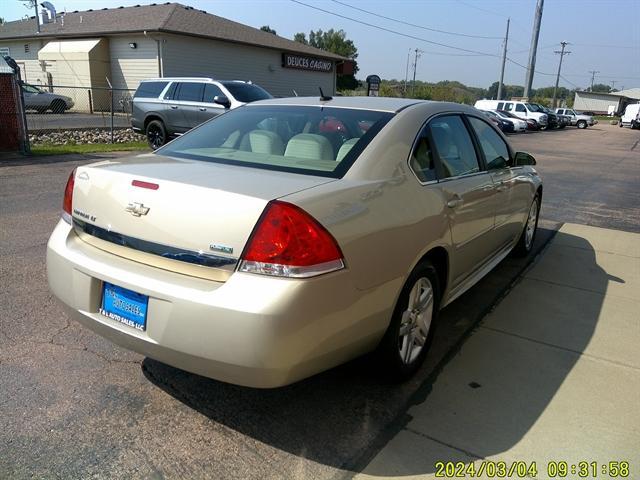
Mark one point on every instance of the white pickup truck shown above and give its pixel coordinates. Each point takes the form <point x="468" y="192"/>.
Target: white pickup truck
<point x="577" y="119"/>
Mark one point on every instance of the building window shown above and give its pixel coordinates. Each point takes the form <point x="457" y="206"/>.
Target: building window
<point x="4" y="51"/>
<point x="26" y="48"/>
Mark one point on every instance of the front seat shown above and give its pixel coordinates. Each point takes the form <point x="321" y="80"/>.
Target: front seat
<point x="309" y="146"/>
<point x="262" y="141"/>
<point x="346" y="148"/>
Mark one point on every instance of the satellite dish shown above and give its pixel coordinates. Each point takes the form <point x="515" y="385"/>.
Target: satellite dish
<point x="49" y="6"/>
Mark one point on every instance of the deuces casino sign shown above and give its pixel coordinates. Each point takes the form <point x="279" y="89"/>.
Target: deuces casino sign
<point x="306" y="63"/>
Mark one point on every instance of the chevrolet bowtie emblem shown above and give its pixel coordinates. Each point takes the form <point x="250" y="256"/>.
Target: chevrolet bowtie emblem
<point x="137" y="209"/>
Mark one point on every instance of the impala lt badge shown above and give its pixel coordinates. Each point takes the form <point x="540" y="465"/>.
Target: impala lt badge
<point x="137" y="209"/>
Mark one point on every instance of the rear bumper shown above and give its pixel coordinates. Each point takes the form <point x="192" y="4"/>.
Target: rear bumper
<point x="252" y="330"/>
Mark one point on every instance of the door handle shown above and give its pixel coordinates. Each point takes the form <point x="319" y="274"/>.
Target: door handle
<point x="456" y="201"/>
<point x="202" y="109"/>
<point x="174" y="107"/>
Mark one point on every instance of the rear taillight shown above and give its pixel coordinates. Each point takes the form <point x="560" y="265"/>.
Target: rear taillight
<point x="288" y="242"/>
<point x="67" y="206"/>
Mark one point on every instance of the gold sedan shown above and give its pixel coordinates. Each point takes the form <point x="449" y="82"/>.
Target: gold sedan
<point x="291" y="235"/>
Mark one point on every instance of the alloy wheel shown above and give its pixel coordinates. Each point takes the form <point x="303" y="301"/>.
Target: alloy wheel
<point x="416" y="320"/>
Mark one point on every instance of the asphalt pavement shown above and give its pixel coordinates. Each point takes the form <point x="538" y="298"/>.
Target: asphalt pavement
<point x="75" y="406"/>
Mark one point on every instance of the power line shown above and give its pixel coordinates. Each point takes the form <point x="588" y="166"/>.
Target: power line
<point x="413" y="37"/>
<point x="593" y="76"/>
<point x="414" y="25"/>
<point x="633" y="47"/>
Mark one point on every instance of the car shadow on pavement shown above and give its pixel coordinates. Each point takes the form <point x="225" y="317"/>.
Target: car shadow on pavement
<point x="343" y="417"/>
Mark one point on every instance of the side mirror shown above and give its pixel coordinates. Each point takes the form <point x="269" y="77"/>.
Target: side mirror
<point x="523" y="158"/>
<point x="222" y="100"/>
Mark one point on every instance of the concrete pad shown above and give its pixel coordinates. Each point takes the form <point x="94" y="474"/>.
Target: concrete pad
<point x="588" y="269"/>
<point x="601" y="239"/>
<point x="411" y="452"/>
<point x="585" y="322"/>
<point x="533" y="403"/>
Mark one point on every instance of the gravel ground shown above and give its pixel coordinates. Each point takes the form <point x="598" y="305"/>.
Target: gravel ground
<point x="91" y="136"/>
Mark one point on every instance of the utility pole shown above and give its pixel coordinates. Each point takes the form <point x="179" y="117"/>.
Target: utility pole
<point x="613" y="84"/>
<point x="406" y="73"/>
<point x="504" y="60"/>
<point x="531" y="67"/>
<point x="415" y="68"/>
<point x="562" y="53"/>
<point x="593" y="76"/>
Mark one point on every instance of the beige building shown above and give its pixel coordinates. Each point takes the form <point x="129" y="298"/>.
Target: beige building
<point x="127" y="44"/>
<point x="604" y="103"/>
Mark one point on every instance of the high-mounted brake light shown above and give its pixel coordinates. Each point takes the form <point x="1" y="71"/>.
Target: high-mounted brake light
<point x="67" y="202"/>
<point x="288" y="242"/>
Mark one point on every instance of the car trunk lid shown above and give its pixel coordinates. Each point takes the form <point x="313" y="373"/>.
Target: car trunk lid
<point x="192" y="217"/>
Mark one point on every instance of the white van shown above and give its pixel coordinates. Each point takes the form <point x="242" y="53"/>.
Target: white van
<point x="631" y="116"/>
<point x="520" y="109"/>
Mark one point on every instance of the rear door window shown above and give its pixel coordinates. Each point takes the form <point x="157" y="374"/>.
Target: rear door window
<point x="508" y="107"/>
<point x="150" y="89"/>
<point x="421" y="161"/>
<point x="454" y="147"/>
<point x="520" y="108"/>
<point x="190" y="92"/>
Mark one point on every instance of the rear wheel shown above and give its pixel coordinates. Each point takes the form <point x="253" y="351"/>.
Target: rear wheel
<point x="581" y="124"/>
<point x="156" y="134"/>
<point x="408" y="337"/>
<point x="58" y="106"/>
<point x="528" y="235"/>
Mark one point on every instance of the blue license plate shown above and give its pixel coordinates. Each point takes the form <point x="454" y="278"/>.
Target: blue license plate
<point x="124" y="306"/>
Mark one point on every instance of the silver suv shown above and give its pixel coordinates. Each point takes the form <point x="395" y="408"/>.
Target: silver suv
<point x="167" y="107"/>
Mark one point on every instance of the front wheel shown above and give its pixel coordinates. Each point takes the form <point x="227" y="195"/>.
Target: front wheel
<point x="58" y="106"/>
<point x="582" y="124"/>
<point x="408" y="337"/>
<point x="528" y="235"/>
<point x="156" y="134"/>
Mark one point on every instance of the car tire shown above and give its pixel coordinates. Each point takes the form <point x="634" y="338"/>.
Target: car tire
<point x="528" y="235"/>
<point x="58" y="106"/>
<point x="156" y="134"/>
<point x="407" y="340"/>
<point x="581" y="124"/>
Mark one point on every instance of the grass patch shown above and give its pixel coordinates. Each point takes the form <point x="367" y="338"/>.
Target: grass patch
<point x="605" y="118"/>
<point x="52" y="149"/>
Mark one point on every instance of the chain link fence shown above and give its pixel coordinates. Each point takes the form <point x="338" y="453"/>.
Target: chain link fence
<point x="60" y="108"/>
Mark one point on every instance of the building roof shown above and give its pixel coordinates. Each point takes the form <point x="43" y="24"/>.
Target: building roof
<point x="629" y="93"/>
<point x="633" y="93"/>
<point x="166" y="18"/>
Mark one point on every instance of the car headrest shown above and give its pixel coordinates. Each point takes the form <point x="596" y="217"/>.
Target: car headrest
<point x="309" y="145"/>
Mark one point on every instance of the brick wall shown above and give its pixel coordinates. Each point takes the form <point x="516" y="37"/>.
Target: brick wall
<point x="12" y="137"/>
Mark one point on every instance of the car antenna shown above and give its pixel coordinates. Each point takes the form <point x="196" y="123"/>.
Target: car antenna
<point x="323" y="97"/>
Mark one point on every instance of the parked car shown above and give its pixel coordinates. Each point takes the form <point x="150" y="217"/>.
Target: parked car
<point x="255" y="251"/>
<point x="166" y="107"/>
<point x="531" y="123"/>
<point x="577" y="119"/>
<point x="41" y="100"/>
<point x="522" y="110"/>
<point x="552" y="119"/>
<point x="631" y="116"/>
<point x="504" y="125"/>
<point x="519" y="124"/>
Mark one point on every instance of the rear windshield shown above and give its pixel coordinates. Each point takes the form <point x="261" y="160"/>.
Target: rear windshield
<point x="246" y="92"/>
<point x="299" y="139"/>
<point x="150" y="89"/>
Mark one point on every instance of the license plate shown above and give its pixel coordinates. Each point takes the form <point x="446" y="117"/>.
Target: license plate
<point x="124" y="306"/>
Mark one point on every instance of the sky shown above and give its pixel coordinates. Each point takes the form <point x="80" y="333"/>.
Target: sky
<point x="603" y="35"/>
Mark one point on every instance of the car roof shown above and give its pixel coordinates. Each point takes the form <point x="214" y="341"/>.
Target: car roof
<point x="385" y="104"/>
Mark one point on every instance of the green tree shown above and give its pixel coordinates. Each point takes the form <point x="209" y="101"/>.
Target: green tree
<point x="268" y="29"/>
<point x="1" y="20"/>
<point x="334" y="41"/>
<point x="601" y="88"/>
